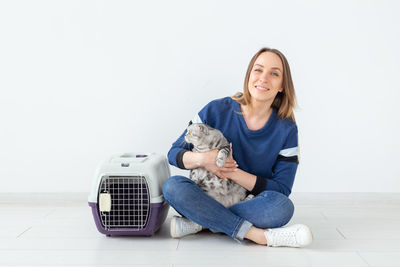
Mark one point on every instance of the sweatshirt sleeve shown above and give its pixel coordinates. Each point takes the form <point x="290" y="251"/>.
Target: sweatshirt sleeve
<point x="284" y="169"/>
<point x="179" y="147"/>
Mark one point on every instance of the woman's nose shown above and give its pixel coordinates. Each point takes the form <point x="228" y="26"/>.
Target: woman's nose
<point x="266" y="77"/>
<point x="263" y="79"/>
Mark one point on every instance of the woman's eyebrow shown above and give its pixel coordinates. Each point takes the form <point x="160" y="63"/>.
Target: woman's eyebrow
<point x="275" y="68"/>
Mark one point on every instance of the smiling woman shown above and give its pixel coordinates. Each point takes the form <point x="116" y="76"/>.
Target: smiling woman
<point x="260" y="125"/>
<point x="269" y="69"/>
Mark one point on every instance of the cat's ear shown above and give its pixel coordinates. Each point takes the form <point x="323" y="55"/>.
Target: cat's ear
<point x="190" y="123"/>
<point x="203" y="129"/>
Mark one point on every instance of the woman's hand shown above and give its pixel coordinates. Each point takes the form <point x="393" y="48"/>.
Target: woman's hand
<point x="209" y="159"/>
<point x="227" y="172"/>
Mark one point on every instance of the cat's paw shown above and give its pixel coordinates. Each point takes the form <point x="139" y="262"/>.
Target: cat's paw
<point x="249" y="197"/>
<point x="221" y="158"/>
<point x="221" y="161"/>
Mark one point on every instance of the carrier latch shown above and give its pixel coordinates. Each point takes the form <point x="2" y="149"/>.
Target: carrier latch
<point x="105" y="202"/>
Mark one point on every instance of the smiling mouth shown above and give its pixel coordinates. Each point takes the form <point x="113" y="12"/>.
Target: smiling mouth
<point x="261" y="88"/>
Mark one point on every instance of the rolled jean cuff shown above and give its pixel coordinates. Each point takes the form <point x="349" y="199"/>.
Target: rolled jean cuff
<point x="243" y="229"/>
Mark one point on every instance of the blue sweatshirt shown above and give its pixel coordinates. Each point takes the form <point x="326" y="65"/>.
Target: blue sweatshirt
<point x="270" y="153"/>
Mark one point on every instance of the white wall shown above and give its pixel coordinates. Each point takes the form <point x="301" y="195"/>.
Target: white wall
<point x="82" y="80"/>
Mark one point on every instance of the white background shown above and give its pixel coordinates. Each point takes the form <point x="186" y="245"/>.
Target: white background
<point x="82" y="80"/>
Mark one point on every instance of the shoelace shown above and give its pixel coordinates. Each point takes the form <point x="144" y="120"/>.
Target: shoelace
<point x="284" y="237"/>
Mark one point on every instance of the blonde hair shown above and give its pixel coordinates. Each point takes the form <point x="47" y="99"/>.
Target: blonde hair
<point x="284" y="101"/>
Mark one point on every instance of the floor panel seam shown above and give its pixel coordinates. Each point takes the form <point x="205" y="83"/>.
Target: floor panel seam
<point x="24" y="232"/>
<point x="364" y="260"/>
<point x="337" y="229"/>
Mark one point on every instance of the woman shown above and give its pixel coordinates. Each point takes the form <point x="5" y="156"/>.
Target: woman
<point x="261" y="127"/>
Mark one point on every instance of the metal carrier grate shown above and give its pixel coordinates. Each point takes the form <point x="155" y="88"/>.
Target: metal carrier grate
<point x="130" y="201"/>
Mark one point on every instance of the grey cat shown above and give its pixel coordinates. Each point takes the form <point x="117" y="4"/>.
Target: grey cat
<point x="205" y="138"/>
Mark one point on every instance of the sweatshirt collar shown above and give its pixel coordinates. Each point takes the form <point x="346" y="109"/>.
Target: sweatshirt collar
<point x="267" y="125"/>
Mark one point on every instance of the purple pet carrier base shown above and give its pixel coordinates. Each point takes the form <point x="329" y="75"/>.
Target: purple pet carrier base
<point x="158" y="213"/>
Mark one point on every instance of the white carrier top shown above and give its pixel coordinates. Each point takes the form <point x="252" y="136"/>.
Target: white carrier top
<point x="153" y="167"/>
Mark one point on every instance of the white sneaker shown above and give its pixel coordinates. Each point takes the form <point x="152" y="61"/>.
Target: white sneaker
<point x="298" y="235"/>
<point x="181" y="226"/>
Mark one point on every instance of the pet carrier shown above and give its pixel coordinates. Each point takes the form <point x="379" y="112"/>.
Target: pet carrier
<point x="126" y="196"/>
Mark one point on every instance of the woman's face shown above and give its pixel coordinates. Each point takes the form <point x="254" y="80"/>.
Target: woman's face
<point x="266" y="77"/>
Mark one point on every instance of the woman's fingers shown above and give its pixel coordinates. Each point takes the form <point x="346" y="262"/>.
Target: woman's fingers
<point x="230" y="160"/>
<point x="220" y="175"/>
<point x="229" y="166"/>
<point x="224" y="169"/>
<point x="230" y="163"/>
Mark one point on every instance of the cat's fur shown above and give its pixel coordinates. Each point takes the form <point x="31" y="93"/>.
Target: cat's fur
<point x="205" y="138"/>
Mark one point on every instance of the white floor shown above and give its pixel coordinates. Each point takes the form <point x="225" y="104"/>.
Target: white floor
<point x="349" y="230"/>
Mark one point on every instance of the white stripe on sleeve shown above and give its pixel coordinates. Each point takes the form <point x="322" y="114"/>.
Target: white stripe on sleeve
<point x="289" y="152"/>
<point x="197" y="119"/>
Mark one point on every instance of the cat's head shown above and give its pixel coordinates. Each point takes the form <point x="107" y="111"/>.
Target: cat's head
<point x="200" y="134"/>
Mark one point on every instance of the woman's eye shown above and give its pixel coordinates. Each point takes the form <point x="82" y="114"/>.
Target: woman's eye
<point x="258" y="70"/>
<point x="276" y="74"/>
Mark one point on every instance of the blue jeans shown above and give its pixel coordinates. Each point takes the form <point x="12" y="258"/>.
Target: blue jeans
<point x="269" y="209"/>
